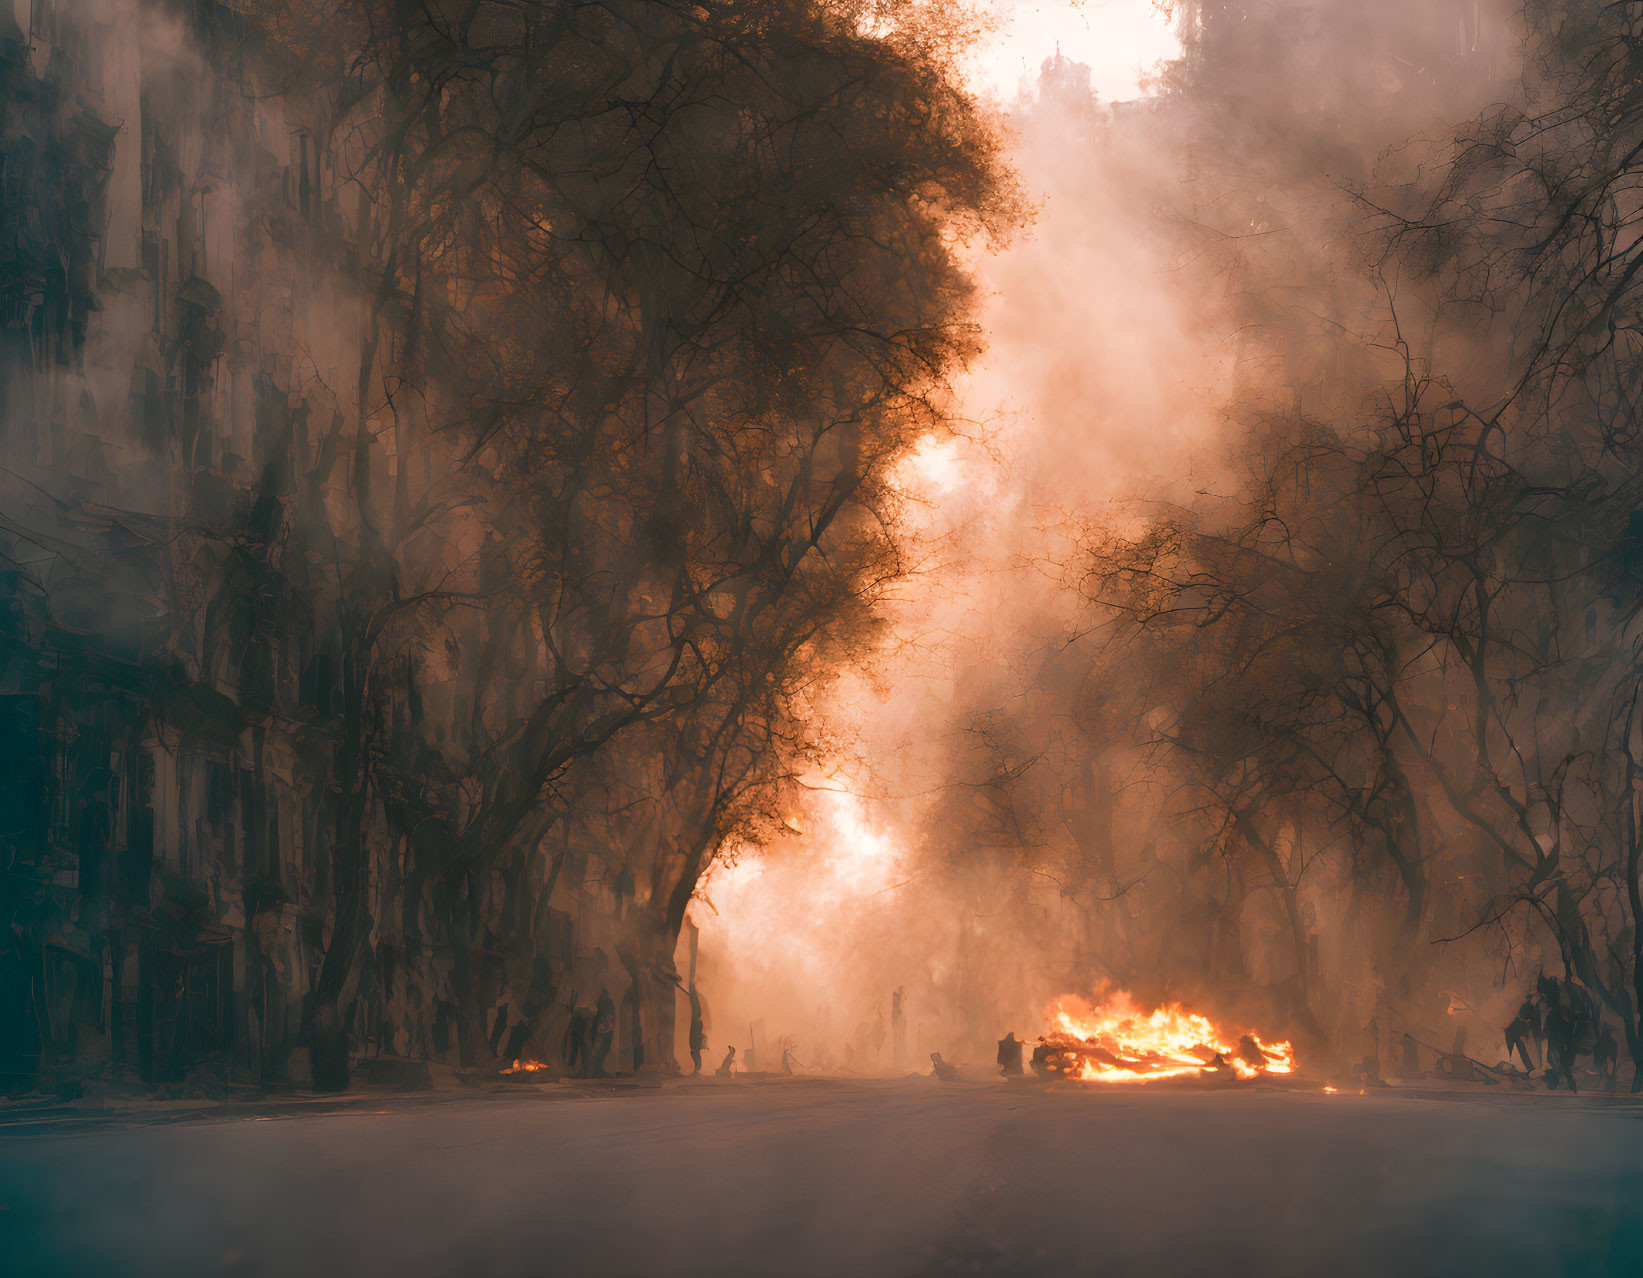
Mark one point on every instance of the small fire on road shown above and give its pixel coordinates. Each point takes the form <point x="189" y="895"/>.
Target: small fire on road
<point x="1113" y="1041"/>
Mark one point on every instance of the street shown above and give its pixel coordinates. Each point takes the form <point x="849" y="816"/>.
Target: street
<point x="835" y="1177"/>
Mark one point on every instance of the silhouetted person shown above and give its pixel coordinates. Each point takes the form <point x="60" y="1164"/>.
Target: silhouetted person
<point x="725" y="1065"/>
<point x="1560" y="1036"/>
<point x="604" y="1031"/>
<point x="579" y="1040"/>
<point x="941" y="1069"/>
<point x="1010" y="1049"/>
<point x="1524" y="1029"/>
<point x="898" y="1029"/>
<point x="698" y="1034"/>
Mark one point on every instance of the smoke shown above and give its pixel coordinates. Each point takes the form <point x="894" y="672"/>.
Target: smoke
<point x="1184" y="238"/>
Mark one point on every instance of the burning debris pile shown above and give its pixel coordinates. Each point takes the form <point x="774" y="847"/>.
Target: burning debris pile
<point x="1114" y="1042"/>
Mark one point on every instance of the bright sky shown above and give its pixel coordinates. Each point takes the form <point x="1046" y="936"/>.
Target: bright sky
<point x="1116" y="39"/>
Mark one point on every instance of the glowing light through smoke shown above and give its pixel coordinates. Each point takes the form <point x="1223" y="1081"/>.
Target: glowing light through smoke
<point x="931" y="469"/>
<point x="810" y="936"/>
<point x="792" y="932"/>
<point x="846" y="857"/>
<point x="1119" y="40"/>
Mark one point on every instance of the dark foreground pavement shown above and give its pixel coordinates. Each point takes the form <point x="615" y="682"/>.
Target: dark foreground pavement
<point x="811" y="1177"/>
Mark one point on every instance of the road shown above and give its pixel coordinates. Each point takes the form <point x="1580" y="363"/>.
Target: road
<point x="839" y="1178"/>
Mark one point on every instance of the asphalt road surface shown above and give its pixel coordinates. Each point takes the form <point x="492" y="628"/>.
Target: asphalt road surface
<point x="836" y="1179"/>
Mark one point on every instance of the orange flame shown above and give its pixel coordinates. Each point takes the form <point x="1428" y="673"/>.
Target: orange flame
<point x="524" y="1065"/>
<point x="1114" y="1042"/>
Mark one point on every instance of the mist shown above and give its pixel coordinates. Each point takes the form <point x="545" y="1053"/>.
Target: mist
<point x="820" y="636"/>
<point x="1012" y="814"/>
<point x="499" y="607"/>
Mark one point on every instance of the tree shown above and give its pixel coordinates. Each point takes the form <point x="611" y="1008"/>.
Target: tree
<point x="729" y="234"/>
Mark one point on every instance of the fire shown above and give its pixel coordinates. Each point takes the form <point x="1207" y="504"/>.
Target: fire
<point x="524" y="1065"/>
<point x="1115" y="1042"/>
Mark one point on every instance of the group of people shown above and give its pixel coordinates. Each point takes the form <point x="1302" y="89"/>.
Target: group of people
<point x="1560" y="1021"/>
<point x="1048" y="1061"/>
<point x="727" y="1067"/>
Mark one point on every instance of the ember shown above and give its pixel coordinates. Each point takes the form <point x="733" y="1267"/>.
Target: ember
<point x="524" y="1065"/>
<point x="1114" y="1042"/>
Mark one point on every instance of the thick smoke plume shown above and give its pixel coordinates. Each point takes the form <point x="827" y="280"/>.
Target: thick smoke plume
<point x="1141" y="727"/>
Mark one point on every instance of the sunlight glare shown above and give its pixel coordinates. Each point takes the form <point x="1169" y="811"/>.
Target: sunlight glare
<point x="1119" y="40"/>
